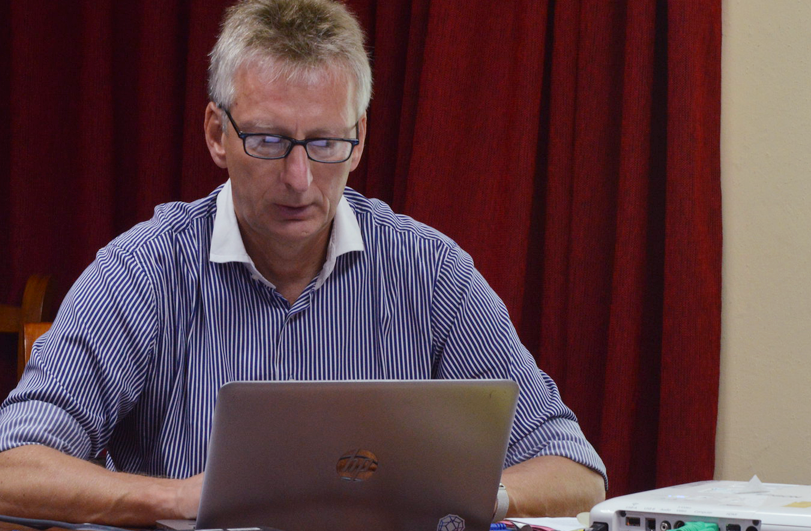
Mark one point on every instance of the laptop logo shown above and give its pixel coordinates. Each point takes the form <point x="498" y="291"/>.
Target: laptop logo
<point x="357" y="465"/>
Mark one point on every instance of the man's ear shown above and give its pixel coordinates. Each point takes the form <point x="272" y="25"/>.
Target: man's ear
<point x="356" y="154"/>
<point x="215" y="134"/>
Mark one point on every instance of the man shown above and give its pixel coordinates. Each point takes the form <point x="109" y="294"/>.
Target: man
<point x="279" y="274"/>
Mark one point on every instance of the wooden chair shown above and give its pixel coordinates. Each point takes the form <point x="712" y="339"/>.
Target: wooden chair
<point x="31" y="332"/>
<point x="36" y="307"/>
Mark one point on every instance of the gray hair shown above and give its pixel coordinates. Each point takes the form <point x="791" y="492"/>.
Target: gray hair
<point x="294" y="39"/>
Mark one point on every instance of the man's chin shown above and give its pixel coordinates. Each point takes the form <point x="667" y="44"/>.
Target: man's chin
<point x="299" y="231"/>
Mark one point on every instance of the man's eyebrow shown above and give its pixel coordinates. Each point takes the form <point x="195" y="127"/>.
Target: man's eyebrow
<point x="321" y="132"/>
<point x="338" y="132"/>
<point x="259" y="127"/>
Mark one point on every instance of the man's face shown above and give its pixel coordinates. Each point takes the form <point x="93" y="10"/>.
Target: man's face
<point x="291" y="201"/>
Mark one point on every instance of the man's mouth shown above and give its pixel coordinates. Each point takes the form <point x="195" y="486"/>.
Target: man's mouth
<point x="292" y="210"/>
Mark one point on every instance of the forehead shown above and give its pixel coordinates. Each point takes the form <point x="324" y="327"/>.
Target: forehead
<point x="266" y="87"/>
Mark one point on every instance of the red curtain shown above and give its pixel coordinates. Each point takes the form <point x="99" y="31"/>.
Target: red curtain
<point x="572" y="147"/>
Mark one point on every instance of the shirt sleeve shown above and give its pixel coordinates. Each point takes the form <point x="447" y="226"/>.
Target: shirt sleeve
<point x="474" y="338"/>
<point x="87" y="371"/>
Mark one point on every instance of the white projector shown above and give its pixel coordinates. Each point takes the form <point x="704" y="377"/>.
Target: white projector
<point x="731" y="505"/>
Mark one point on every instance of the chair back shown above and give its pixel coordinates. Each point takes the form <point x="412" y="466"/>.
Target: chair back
<point x="31" y="332"/>
<point x="35" y="307"/>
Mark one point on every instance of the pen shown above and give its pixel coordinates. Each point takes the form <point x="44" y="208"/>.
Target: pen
<point x="508" y="525"/>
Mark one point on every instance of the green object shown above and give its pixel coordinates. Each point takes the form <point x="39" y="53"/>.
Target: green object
<point x="697" y="526"/>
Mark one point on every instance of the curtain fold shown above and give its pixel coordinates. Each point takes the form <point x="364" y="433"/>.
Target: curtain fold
<point x="692" y="297"/>
<point x="571" y="147"/>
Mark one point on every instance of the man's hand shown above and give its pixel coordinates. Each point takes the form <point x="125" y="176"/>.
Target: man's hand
<point x="552" y="486"/>
<point x="40" y="482"/>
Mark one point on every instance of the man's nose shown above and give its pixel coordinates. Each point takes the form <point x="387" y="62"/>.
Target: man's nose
<point x="297" y="175"/>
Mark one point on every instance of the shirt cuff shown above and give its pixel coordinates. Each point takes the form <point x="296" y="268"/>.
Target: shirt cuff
<point x="557" y="436"/>
<point x="35" y="422"/>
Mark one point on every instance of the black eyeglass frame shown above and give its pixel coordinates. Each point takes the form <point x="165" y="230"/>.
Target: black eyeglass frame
<point x="293" y="142"/>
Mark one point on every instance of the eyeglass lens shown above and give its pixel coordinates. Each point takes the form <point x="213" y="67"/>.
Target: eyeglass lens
<point x="320" y="149"/>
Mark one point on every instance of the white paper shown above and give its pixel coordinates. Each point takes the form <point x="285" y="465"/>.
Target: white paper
<point x="559" y="524"/>
<point x="754" y="485"/>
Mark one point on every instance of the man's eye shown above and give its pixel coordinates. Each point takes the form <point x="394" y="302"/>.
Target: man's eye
<point x="322" y="143"/>
<point x="269" y="139"/>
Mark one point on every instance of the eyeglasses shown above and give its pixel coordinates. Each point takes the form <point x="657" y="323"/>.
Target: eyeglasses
<point x="271" y="147"/>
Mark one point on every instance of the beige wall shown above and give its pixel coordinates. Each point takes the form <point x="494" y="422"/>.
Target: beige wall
<point x="764" y="424"/>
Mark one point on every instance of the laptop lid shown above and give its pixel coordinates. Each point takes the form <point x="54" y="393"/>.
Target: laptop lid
<point x="408" y="455"/>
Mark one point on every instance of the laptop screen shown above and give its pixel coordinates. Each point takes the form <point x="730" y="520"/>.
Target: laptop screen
<point x="413" y="454"/>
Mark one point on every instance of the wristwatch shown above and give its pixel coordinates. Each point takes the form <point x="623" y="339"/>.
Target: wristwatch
<point x="502" y="503"/>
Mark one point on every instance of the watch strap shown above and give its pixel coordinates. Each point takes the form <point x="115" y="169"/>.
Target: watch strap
<point x="502" y="503"/>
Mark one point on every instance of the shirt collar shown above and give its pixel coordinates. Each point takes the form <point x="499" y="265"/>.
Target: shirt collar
<point x="227" y="244"/>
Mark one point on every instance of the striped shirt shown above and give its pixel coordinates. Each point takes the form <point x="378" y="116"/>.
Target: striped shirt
<point x="174" y="308"/>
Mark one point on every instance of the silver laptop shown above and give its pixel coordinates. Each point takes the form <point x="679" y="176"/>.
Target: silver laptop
<point x="358" y="455"/>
